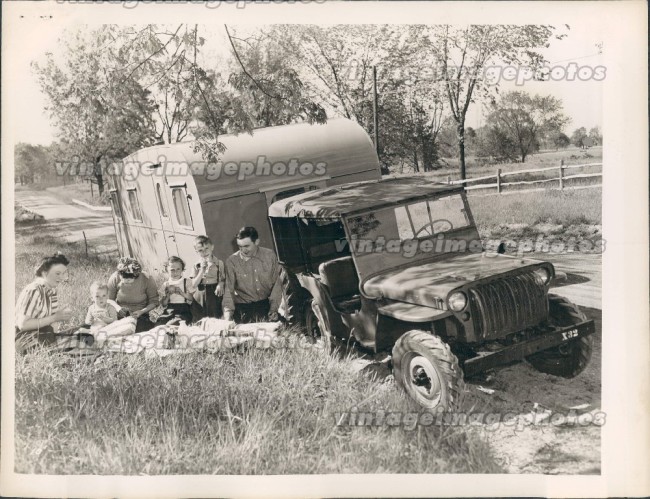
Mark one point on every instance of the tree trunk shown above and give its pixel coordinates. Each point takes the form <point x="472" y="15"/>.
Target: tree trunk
<point x="426" y="159"/>
<point x="99" y="176"/>
<point x="460" y="131"/>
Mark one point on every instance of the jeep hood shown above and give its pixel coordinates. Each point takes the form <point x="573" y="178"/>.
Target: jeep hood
<point x="429" y="284"/>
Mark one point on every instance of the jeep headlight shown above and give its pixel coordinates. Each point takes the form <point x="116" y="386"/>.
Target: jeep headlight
<point x="457" y="301"/>
<point x="542" y="274"/>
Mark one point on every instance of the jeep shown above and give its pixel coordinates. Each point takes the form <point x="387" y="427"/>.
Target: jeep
<point x="397" y="265"/>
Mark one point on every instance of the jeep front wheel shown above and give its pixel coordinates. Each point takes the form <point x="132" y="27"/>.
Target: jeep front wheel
<point x="568" y="359"/>
<point x="427" y="370"/>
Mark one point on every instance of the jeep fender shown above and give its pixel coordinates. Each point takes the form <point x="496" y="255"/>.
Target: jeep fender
<point x="396" y="318"/>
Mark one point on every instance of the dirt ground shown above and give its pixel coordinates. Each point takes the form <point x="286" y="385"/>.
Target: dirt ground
<point x="549" y="425"/>
<point x="560" y="448"/>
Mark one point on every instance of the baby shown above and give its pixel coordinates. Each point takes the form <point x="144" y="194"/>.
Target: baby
<point x="100" y="313"/>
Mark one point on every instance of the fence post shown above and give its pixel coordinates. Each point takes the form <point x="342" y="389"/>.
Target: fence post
<point x="499" y="180"/>
<point x="561" y="173"/>
<point x="85" y="242"/>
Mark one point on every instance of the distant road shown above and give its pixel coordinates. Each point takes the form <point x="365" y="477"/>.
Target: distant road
<point x="71" y="219"/>
<point x="585" y="272"/>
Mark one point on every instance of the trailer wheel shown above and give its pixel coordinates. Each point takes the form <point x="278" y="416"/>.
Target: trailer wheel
<point x="568" y="359"/>
<point x="427" y="370"/>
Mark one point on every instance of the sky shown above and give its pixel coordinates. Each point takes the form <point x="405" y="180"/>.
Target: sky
<point x="32" y="38"/>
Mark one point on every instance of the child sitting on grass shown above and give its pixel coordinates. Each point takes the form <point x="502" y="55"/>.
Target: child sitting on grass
<point x="177" y="292"/>
<point x="100" y="313"/>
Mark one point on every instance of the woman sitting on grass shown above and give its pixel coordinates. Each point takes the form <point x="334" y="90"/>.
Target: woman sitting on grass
<point x="134" y="291"/>
<point x="38" y="308"/>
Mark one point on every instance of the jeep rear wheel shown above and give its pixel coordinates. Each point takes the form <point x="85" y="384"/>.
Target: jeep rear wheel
<point x="315" y="327"/>
<point x="568" y="359"/>
<point x="293" y="298"/>
<point x="427" y="370"/>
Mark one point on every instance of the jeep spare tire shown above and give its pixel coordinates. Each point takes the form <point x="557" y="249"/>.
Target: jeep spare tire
<point x="427" y="370"/>
<point x="568" y="359"/>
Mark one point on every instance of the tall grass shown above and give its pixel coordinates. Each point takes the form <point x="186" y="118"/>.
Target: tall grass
<point x="242" y="412"/>
<point x="246" y="412"/>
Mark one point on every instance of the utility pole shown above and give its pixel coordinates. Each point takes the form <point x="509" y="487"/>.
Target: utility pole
<point x="374" y="108"/>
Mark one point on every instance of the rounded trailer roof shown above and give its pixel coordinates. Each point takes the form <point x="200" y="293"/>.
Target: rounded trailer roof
<point x="341" y="145"/>
<point x="359" y="196"/>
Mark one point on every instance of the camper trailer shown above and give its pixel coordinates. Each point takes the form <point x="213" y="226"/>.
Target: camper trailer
<point x="166" y="195"/>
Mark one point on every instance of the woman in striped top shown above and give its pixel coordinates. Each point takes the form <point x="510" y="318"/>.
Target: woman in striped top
<point x="38" y="308"/>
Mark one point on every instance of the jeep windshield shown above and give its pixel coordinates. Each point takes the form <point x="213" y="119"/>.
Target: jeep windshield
<point x="411" y="232"/>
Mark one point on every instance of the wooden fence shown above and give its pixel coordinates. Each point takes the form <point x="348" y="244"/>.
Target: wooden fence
<point x="559" y="180"/>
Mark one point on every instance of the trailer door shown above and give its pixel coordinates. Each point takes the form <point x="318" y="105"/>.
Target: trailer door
<point x="186" y="217"/>
<point x="164" y="205"/>
<point x="123" y="246"/>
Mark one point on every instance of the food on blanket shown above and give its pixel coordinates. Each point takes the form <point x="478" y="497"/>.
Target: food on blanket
<point x="121" y="327"/>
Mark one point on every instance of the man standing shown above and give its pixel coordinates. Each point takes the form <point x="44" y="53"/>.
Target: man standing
<point x="253" y="289"/>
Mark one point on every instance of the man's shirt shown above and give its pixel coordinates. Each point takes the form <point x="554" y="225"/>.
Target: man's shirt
<point x="255" y="279"/>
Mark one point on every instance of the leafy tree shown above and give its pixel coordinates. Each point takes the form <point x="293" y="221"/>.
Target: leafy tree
<point x="30" y="161"/>
<point x="595" y="135"/>
<point x="268" y="90"/>
<point x="464" y="54"/>
<point x="496" y="143"/>
<point x="524" y="119"/>
<point x="101" y="117"/>
<point x="561" y="141"/>
<point x="161" y="60"/>
<point x="578" y="135"/>
<point x="336" y="64"/>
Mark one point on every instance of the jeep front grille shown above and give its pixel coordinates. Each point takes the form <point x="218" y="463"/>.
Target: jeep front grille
<point x="507" y="305"/>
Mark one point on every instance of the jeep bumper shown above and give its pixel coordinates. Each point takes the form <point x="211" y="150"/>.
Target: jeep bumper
<point x="519" y="351"/>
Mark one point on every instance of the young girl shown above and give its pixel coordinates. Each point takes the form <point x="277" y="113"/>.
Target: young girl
<point x="177" y="291"/>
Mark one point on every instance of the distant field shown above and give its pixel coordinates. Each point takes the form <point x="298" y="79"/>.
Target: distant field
<point x="542" y="159"/>
<point x="545" y="159"/>
<point x="543" y="207"/>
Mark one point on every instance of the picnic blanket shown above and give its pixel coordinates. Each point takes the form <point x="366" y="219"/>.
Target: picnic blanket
<point x="207" y="335"/>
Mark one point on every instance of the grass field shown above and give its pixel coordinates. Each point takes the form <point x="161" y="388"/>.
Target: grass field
<point x="561" y="213"/>
<point x="245" y="412"/>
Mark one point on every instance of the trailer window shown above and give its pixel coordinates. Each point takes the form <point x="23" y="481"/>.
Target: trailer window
<point x="135" y="205"/>
<point x="181" y="207"/>
<point x="161" y="203"/>
<point x="115" y="204"/>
